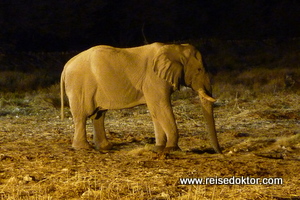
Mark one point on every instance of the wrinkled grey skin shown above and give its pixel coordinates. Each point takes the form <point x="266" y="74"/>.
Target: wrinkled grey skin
<point x="104" y="77"/>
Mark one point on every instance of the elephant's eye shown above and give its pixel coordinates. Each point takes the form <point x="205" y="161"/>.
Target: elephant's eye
<point x="199" y="69"/>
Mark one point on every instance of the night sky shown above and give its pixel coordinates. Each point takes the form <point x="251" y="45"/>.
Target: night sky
<point x="78" y="24"/>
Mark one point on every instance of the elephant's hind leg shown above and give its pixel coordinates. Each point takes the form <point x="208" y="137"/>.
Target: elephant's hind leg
<point x="80" y="140"/>
<point x="100" y="140"/>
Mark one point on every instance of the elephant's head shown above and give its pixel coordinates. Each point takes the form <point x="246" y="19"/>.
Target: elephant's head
<point x="183" y="65"/>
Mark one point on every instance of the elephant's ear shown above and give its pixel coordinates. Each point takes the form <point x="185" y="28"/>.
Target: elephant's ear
<point x="168" y="65"/>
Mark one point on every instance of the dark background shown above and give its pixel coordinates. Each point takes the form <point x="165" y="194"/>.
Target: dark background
<point x="78" y="24"/>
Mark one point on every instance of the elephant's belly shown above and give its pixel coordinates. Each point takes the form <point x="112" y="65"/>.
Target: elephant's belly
<point x="119" y="101"/>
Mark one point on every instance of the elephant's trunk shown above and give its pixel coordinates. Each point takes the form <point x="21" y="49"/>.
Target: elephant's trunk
<point x="207" y="107"/>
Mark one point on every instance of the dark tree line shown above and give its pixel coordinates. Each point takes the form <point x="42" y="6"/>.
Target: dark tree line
<point x="75" y="25"/>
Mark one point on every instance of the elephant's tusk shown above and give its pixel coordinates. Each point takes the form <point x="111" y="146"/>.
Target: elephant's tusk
<point x="205" y="96"/>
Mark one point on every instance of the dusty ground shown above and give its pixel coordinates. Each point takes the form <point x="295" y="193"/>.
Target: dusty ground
<point x="260" y="139"/>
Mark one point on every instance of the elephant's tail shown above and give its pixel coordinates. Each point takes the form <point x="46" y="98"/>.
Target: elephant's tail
<point x="62" y="93"/>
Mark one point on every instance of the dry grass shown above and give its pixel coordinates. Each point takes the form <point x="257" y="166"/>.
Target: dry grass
<point x="260" y="138"/>
<point x="257" y="118"/>
<point x="253" y="83"/>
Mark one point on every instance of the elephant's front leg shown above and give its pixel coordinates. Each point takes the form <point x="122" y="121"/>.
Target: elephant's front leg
<point x="165" y="126"/>
<point x="100" y="140"/>
<point x="160" y="136"/>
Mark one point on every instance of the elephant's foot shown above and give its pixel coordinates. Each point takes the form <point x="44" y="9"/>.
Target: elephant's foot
<point x="158" y="149"/>
<point x="163" y="149"/>
<point x="81" y="145"/>
<point x="171" y="149"/>
<point x="104" y="146"/>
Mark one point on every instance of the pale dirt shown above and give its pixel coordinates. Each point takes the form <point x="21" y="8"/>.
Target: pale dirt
<point x="260" y="138"/>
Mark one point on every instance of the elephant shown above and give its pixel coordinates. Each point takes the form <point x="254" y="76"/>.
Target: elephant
<point x="105" y="77"/>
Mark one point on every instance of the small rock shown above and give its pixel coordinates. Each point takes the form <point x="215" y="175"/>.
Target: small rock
<point x="28" y="178"/>
<point x="65" y="170"/>
<point x="12" y="180"/>
<point x="164" y="195"/>
<point x="91" y="194"/>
